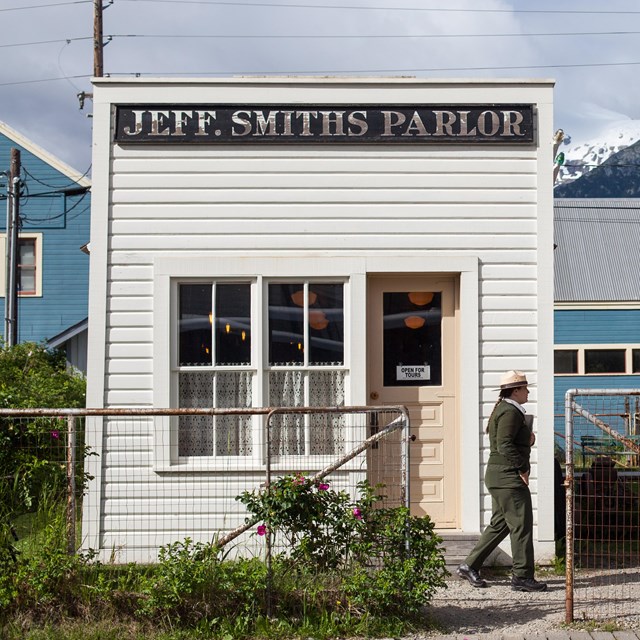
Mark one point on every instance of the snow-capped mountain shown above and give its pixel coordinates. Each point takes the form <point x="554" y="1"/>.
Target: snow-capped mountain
<point x="580" y="157"/>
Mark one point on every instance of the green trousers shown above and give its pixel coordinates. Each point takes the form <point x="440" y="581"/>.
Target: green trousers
<point x="512" y="516"/>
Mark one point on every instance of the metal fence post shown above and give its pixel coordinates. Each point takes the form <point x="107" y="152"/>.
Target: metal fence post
<point x="71" y="484"/>
<point x="569" y="486"/>
<point x="269" y="533"/>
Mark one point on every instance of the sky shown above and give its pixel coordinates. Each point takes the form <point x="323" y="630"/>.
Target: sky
<point x="47" y="55"/>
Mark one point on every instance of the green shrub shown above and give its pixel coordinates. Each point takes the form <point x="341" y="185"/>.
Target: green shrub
<point x="353" y="569"/>
<point x="33" y="449"/>
<point x="387" y="561"/>
<point x="406" y="565"/>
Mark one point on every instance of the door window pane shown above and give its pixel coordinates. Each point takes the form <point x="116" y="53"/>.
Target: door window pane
<point x="233" y="324"/>
<point x="604" y="360"/>
<point x="286" y="324"/>
<point x="195" y="324"/>
<point x="565" y="361"/>
<point x="326" y="324"/>
<point x="412" y="339"/>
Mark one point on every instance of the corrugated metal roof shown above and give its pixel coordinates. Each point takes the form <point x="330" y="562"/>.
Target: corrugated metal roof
<point x="597" y="257"/>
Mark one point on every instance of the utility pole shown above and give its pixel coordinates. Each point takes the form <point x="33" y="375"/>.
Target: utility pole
<point x="98" y="45"/>
<point x="13" y="223"/>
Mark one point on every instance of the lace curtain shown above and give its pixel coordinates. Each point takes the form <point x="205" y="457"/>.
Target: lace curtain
<point x="326" y="431"/>
<point x="314" y="434"/>
<point x="232" y="433"/>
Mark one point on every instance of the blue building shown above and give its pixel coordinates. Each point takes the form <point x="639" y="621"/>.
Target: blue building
<point x="597" y="296"/>
<point x="53" y="262"/>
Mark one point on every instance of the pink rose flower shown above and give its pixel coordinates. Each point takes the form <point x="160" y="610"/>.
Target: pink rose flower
<point x="357" y="513"/>
<point x="55" y="434"/>
<point x="323" y="486"/>
<point x="262" y="529"/>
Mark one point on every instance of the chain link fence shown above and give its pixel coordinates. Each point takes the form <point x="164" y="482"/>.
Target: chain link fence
<point x="117" y="477"/>
<point x="600" y="450"/>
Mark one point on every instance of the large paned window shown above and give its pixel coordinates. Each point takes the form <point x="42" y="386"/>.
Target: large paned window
<point x="597" y="360"/>
<point x="306" y="365"/>
<point x="301" y="363"/>
<point x="215" y="369"/>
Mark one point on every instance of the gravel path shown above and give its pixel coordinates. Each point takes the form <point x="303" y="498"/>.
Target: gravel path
<point x="461" y="609"/>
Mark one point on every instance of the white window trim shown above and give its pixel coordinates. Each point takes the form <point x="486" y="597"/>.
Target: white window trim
<point x="355" y="268"/>
<point x="3" y="264"/>
<point x="581" y="348"/>
<point x="168" y="274"/>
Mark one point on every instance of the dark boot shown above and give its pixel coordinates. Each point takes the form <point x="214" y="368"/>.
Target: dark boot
<point x="469" y="573"/>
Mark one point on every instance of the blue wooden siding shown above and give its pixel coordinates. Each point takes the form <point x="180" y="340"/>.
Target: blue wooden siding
<point x="597" y="326"/>
<point x="63" y="221"/>
<point x="587" y="327"/>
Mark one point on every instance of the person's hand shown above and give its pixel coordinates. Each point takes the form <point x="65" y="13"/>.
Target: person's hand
<point x="525" y="477"/>
<point x="532" y="439"/>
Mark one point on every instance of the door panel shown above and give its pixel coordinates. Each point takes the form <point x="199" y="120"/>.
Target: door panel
<point x="412" y="361"/>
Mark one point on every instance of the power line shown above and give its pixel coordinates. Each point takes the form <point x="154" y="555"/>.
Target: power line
<point x="53" y="186"/>
<point x="17" y="82"/>
<point x="331" y="71"/>
<point x="363" y="71"/>
<point x="44" y="6"/>
<point x="385" y="35"/>
<point x="290" y="5"/>
<point x="299" y="36"/>
<point x="28" y="44"/>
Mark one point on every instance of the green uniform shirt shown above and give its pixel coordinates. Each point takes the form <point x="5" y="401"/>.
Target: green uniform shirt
<point x="510" y="443"/>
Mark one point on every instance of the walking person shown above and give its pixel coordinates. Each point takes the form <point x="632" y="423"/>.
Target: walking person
<point x="507" y="480"/>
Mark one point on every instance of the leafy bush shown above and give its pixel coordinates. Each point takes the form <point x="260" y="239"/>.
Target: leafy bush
<point x="32" y="450"/>
<point x="32" y="376"/>
<point x="351" y="568"/>
<point x="408" y="564"/>
<point x="387" y="560"/>
<point x="318" y="525"/>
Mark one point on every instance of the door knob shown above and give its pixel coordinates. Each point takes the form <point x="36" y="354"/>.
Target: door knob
<point x="374" y="395"/>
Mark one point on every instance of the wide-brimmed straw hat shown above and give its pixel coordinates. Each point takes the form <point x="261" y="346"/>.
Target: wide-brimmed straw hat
<point x="512" y="379"/>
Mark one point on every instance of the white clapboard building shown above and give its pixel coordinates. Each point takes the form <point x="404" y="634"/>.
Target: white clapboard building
<point x="377" y="209"/>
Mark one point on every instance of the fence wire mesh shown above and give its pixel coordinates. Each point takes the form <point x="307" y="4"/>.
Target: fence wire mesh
<point x="601" y="453"/>
<point x="118" y="480"/>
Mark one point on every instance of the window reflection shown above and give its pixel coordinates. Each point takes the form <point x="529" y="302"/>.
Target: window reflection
<point x="321" y="309"/>
<point x="233" y="324"/>
<point x="195" y="324"/>
<point x="286" y="324"/>
<point x="326" y="324"/>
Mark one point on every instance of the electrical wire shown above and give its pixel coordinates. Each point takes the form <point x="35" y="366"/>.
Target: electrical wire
<point x="28" y="44"/>
<point x="307" y="36"/>
<point x="57" y="188"/>
<point x="315" y="36"/>
<point x="18" y="82"/>
<point x="365" y="71"/>
<point x="59" y="215"/>
<point x="46" y="6"/>
<point x="290" y="5"/>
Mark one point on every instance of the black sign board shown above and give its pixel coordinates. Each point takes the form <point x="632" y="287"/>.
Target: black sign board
<point x="231" y="124"/>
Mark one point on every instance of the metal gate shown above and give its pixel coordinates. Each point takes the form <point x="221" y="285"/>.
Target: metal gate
<point x="602" y="481"/>
<point x="132" y="503"/>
